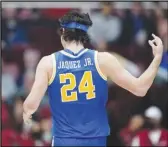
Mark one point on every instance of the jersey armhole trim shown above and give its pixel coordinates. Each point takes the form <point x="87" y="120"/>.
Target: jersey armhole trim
<point x="54" y="69"/>
<point x="98" y="68"/>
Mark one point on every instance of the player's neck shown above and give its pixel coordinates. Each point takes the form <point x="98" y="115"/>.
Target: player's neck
<point x="74" y="47"/>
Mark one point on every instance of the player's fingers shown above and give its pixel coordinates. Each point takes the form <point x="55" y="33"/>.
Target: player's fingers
<point x="157" y="39"/>
<point x="151" y="43"/>
<point x="154" y="36"/>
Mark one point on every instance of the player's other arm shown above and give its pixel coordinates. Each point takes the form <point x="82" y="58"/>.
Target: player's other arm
<point x="138" y="86"/>
<point x="38" y="90"/>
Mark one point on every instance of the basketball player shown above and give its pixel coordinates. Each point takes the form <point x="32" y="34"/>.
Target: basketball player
<point x="76" y="81"/>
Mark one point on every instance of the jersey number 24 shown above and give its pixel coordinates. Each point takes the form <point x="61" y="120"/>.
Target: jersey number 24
<point x="85" y="86"/>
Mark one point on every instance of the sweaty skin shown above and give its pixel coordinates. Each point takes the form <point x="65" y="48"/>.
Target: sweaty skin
<point x="110" y="67"/>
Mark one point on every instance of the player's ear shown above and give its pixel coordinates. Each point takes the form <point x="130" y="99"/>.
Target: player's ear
<point x="61" y="31"/>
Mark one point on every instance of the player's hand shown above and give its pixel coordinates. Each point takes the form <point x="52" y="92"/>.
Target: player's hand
<point x="27" y="118"/>
<point x="157" y="46"/>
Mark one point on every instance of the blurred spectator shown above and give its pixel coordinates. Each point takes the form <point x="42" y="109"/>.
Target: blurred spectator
<point x="5" y="115"/>
<point x="45" y="124"/>
<point x="27" y="82"/>
<point x="13" y="32"/>
<point x="12" y="134"/>
<point x="31" y="58"/>
<point x="17" y="113"/>
<point x="163" y="69"/>
<point x="46" y="129"/>
<point x="12" y="69"/>
<point x="162" y="28"/>
<point x="134" y="125"/>
<point x="154" y="134"/>
<point x="10" y="138"/>
<point x="24" y="14"/>
<point x="139" y="32"/>
<point x="36" y="133"/>
<point x="106" y="27"/>
<point x="9" y="87"/>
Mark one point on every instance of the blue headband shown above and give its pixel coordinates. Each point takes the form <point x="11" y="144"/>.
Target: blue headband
<point x="74" y="25"/>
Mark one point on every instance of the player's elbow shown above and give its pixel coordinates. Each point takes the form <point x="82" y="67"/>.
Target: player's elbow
<point x="140" y="94"/>
<point x="140" y="91"/>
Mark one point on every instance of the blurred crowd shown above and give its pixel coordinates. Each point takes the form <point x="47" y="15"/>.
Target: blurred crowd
<point x="29" y="33"/>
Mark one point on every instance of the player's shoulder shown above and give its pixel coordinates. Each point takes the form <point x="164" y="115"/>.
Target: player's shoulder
<point x="46" y="59"/>
<point x="46" y="62"/>
<point x="103" y="54"/>
<point x="104" y="57"/>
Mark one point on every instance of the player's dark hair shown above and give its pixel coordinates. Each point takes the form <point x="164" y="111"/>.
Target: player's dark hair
<point x="73" y="34"/>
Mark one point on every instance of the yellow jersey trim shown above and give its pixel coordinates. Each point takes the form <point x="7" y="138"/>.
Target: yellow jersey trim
<point x="72" y="56"/>
<point x="98" y="68"/>
<point x="54" y="69"/>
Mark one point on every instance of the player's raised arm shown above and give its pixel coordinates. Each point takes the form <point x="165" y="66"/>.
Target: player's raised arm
<point x="138" y="86"/>
<point x="38" y="90"/>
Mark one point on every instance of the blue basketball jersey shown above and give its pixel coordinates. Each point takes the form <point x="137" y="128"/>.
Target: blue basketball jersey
<point x="78" y="93"/>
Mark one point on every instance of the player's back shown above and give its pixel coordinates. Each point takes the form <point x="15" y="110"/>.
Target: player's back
<point x="78" y="94"/>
